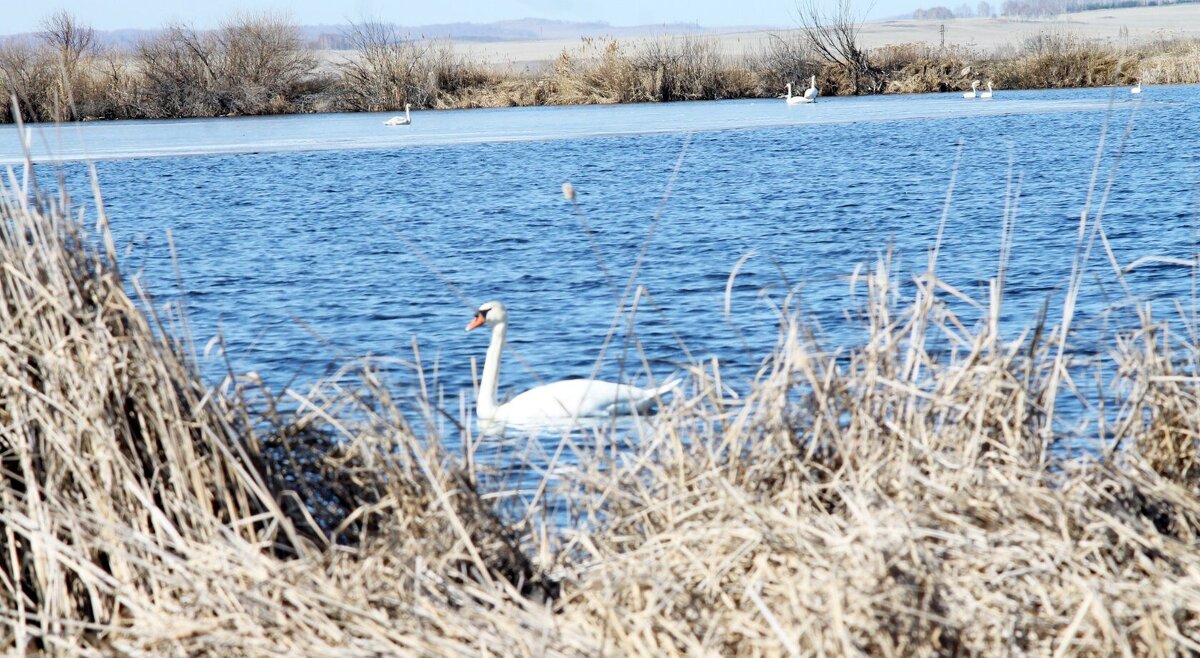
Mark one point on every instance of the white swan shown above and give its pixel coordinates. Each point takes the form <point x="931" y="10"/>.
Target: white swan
<point x="792" y="100"/>
<point x="552" y="403"/>
<point x="988" y="93"/>
<point x="1137" y="88"/>
<point x="400" y="121"/>
<point x="972" y="93"/>
<point x="811" y="93"/>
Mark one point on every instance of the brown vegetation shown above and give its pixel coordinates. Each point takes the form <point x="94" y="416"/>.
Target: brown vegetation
<point x="899" y="497"/>
<point x="257" y="64"/>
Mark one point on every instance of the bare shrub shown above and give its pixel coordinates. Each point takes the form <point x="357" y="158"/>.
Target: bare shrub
<point x="265" y="62"/>
<point x="683" y="68"/>
<point x="182" y="73"/>
<point x="386" y="70"/>
<point x="785" y="58"/>
<point x="117" y="88"/>
<point x="27" y="71"/>
<point x="254" y="64"/>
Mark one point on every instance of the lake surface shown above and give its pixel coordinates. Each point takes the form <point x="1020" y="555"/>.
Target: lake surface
<point x="309" y="240"/>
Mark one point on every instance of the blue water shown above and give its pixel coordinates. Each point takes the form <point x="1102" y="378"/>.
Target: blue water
<point x="310" y="240"/>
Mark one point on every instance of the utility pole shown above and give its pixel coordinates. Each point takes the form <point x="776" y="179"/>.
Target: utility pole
<point x="942" y="32"/>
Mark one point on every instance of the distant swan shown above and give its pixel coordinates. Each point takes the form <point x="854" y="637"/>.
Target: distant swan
<point x="988" y="93"/>
<point x="811" y="93"/>
<point x="563" y="400"/>
<point x="792" y="100"/>
<point x="400" y="121"/>
<point x="972" y="93"/>
<point x="1137" y="89"/>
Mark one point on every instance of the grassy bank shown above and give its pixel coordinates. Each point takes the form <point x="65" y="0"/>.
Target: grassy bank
<point x="259" y="65"/>
<point x="900" y="497"/>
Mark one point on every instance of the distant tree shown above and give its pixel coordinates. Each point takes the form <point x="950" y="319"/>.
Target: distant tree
<point x="939" y="14"/>
<point x="983" y="9"/>
<point x="1032" y="8"/>
<point x="963" y="11"/>
<point x="69" y="41"/>
<point x="833" y="35"/>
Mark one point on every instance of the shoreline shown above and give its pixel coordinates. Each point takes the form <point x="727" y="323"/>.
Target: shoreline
<point x="188" y="74"/>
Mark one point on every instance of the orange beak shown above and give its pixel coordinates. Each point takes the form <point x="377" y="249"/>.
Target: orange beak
<point x="477" y="322"/>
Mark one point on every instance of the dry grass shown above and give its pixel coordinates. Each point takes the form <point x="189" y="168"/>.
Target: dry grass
<point x="898" y="497"/>
<point x="143" y="512"/>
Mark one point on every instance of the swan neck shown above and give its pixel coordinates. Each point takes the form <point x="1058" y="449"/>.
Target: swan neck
<point x="485" y="406"/>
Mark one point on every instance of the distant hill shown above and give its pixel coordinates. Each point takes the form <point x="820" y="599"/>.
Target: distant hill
<point x="526" y="29"/>
<point x="1035" y="8"/>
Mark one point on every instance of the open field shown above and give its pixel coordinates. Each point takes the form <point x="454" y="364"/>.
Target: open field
<point x="1142" y="24"/>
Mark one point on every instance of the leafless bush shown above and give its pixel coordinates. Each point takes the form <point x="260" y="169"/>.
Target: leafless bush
<point x="683" y="68"/>
<point x="27" y="71"/>
<point x="785" y="58"/>
<point x="254" y="64"/>
<point x="386" y="70"/>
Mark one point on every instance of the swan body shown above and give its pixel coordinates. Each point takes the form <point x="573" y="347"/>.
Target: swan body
<point x="1137" y="88"/>
<point x="792" y="100"/>
<point x="988" y="93"/>
<point x="973" y="93"/>
<point x="810" y="94"/>
<point x="400" y="121"/>
<point x="565" y="400"/>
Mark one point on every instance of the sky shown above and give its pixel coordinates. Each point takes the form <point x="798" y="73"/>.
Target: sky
<point x="18" y="16"/>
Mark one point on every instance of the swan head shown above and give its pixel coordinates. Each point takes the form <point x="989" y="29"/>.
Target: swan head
<point x="974" y="84"/>
<point x="489" y="313"/>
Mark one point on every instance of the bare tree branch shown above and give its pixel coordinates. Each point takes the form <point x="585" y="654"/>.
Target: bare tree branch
<point x="833" y="34"/>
